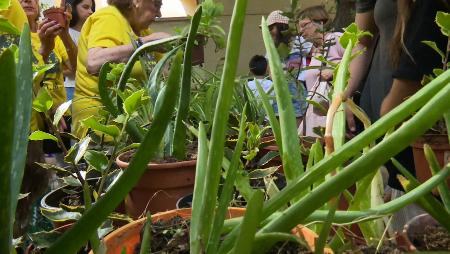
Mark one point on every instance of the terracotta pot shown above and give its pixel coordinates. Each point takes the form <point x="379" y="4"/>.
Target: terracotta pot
<point x="439" y="144"/>
<point x="56" y="14"/>
<point x="416" y="226"/>
<point x="160" y="186"/>
<point x="128" y="236"/>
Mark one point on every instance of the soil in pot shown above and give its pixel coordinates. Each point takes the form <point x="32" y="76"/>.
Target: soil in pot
<point x="388" y="248"/>
<point x="433" y="238"/>
<point x="172" y="236"/>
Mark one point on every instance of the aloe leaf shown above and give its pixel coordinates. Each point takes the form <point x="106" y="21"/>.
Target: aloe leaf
<point x="227" y="191"/>
<point x="146" y="240"/>
<point x="435" y="167"/>
<point x="16" y="105"/>
<point x="73" y="239"/>
<point x="153" y="81"/>
<point x="364" y="165"/>
<point x="324" y="233"/>
<point x="271" y="114"/>
<point x="196" y="233"/>
<point x="7" y="121"/>
<point x="250" y="224"/>
<point x="351" y="148"/>
<point x="221" y="113"/>
<point x="290" y="156"/>
<point x="103" y="89"/>
<point x="134" y="57"/>
<point x="179" y="136"/>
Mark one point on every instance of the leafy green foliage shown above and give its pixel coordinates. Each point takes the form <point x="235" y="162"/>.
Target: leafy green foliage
<point x="443" y="21"/>
<point x="92" y="123"/>
<point x="352" y="33"/>
<point x="134" y="101"/>
<point x="7" y="27"/>
<point x="43" y="101"/>
<point x="97" y="160"/>
<point x="40" y="135"/>
<point x="60" y="111"/>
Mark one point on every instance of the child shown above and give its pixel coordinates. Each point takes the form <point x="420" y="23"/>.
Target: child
<point x="258" y="67"/>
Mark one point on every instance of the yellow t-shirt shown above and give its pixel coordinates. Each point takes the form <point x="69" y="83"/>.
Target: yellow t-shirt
<point x="52" y="79"/>
<point x="105" y="28"/>
<point x="15" y="15"/>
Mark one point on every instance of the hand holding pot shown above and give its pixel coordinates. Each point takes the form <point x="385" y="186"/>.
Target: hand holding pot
<point x="47" y="31"/>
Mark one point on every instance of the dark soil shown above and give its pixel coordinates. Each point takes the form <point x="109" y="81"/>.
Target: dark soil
<point x="388" y="248"/>
<point x="434" y="238"/>
<point x="173" y="237"/>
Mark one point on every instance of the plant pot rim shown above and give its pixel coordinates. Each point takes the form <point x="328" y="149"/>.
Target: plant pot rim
<point x="53" y="9"/>
<point x="410" y="245"/>
<point x="121" y="233"/>
<point x="440" y="140"/>
<point x="156" y="166"/>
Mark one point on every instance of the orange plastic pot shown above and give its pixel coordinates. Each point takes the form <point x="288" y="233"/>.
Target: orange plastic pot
<point x="128" y="236"/>
<point x="160" y="187"/>
<point x="440" y="146"/>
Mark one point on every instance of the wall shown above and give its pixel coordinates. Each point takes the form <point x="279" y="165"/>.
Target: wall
<point x="252" y="42"/>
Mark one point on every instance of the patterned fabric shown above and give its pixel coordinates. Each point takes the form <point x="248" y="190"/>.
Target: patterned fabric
<point x="277" y="17"/>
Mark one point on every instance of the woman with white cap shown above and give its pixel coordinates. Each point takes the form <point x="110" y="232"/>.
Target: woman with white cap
<point x="279" y="29"/>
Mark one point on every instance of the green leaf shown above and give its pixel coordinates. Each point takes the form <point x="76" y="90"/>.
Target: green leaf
<point x="44" y="239"/>
<point x="262" y="172"/>
<point x="59" y="215"/>
<point x="147" y="235"/>
<point x="73" y="152"/>
<point x="71" y="181"/>
<point x="133" y="102"/>
<point x="92" y="123"/>
<point x="53" y="168"/>
<point x="268" y="157"/>
<point x="43" y="101"/>
<point x="60" y="111"/>
<point x="72" y="240"/>
<point x="7" y="123"/>
<point x="83" y="146"/>
<point x="4" y="4"/>
<point x="97" y="160"/>
<point x="7" y="27"/>
<point x="40" y="135"/>
<point x="434" y="46"/>
<point x="443" y="21"/>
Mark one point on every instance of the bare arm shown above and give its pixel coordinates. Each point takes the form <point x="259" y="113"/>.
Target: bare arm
<point x="72" y="51"/>
<point x="401" y="89"/>
<point x="119" y="54"/>
<point x="360" y="65"/>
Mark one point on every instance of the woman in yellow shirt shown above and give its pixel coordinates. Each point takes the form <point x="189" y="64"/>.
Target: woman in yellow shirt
<point x="106" y="37"/>
<point x="51" y="44"/>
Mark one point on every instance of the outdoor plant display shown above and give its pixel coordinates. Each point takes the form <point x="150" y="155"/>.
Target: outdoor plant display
<point x="312" y="191"/>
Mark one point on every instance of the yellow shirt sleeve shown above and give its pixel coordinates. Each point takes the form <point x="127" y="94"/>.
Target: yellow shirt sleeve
<point x="98" y="36"/>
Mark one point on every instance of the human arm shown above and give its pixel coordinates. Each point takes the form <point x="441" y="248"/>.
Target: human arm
<point x="97" y="56"/>
<point x="401" y="90"/>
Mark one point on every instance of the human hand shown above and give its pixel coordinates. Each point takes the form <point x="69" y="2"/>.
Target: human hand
<point x="47" y="32"/>
<point x="293" y="64"/>
<point x="326" y="75"/>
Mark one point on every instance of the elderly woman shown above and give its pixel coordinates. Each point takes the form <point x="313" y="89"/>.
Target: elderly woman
<point x="311" y="24"/>
<point x="107" y="37"/>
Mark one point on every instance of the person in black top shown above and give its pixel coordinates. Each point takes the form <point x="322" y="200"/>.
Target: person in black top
<point x="395" y="61"/>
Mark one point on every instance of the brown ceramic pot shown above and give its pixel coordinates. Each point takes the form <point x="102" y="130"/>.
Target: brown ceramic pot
<point x="128" y="236"/>
<point x="160" y="186"/>
<point x="439" y="144"/>
<point x="56" y="14"/>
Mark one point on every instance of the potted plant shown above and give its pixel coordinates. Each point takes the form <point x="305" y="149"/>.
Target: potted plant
<point x="57" y="14"/>
<point x="437" y="137"/>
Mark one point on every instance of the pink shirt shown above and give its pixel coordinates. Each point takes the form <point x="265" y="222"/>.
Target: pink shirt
<point x="312" y="117"/>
